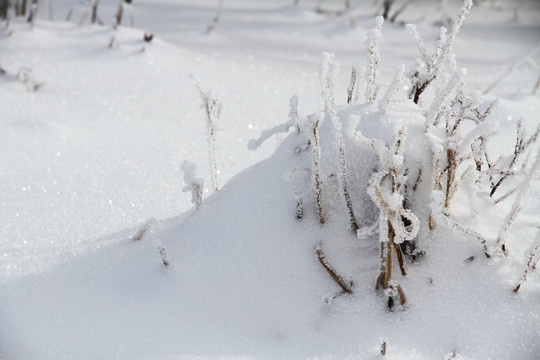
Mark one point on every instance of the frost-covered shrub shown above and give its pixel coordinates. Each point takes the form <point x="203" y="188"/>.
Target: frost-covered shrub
<point x="389" y="167"/>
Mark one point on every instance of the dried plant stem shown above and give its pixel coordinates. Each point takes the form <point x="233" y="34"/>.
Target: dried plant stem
<point x="33" y="13"/>
<point x="163" y="254"/>
<point x="386" y="257"/>
<point x="373" y="59"/>
<point x="353" y="85"/>
<point x="299" y="209"/>
<point x="317" y="170"/>
<point x="94" y="16"/>
<point x="512" y="215"/>
<point x="450" y="178"/>
<point x="345" y="287"/>
<point x="329" y="70"/>
<point x="119" y="14"/>
<point x="213" y="112"/>
<point x="216" y="18"/>
<point x="531" y="264"/>
<point x="383" y="346"/>
<point x="470" y="233"/>
<point x="401" y="294"/>
<point x="520" y="148"/>
<point x="401" y="262"/>
<point x="422" y="76"/>
<point x="212" y="140"/>
<point x="400" y="10"/>
<point x="140" y="234"/>
<point x="385" y="281"/>
<point x="346" y="195"/>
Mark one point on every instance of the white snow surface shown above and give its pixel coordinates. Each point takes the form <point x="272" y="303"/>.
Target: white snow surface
<point x="94" y="155"/>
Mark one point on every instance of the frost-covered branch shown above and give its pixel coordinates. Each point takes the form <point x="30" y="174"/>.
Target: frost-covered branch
<point x="254" y="144"/>
<point x="374" y="36"/>
<point x="454" y="143"/>
<point x="469" y="232"/>
<point x="392" y="89"/>
<point x="430" y="67"/>
<point x="193" y="184"/>
<point x="531" y="264"/>
<point x="512" y="215"/>
<point x="213" y="112"/>
<point x="345" y="287"/>
<point x="329" y="70"/>
<point x="522" y="145"/>
<point x="314" y="123"/>
<point x="353" y="85"/>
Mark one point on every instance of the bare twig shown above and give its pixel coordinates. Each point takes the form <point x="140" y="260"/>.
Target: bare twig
<point x="212" y="26"/>
<point x="213" y="112"/>
<point x="316" y="171"/>
<point x="469" y="232"/>
<point x="346" y="287"/>
<point x="374" y="36"/>
<point x="520" y="148"/>
<point x="400" y="10"/>
<point x="94" y="17"/>
<point x="383" y="346"/>
<point x="512" y="215"/>
<point x="531" y="264"/>
<point x="163" y="254"/>
<point x="328" y="74"/>
<point x="140" y="234"/>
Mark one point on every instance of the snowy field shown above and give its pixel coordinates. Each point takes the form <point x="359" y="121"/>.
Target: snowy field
<point x="95" y="124"/>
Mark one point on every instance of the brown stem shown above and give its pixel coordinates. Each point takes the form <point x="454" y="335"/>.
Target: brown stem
<point x="318" y="184"/>
<point x="451" y="176"/>
<point x="388" y="255"/>
<point x="333" y="274"/>
<point x="402" y="298"/>
<point x="401" y="262"/>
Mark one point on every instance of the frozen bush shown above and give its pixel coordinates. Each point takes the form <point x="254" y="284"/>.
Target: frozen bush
<point x="390" y="168"/>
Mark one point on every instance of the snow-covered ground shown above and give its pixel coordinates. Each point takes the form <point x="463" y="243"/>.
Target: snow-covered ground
<point x="97" y="150"/>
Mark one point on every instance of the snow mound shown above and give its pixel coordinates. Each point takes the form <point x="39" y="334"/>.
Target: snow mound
<point x="240" y="277"/>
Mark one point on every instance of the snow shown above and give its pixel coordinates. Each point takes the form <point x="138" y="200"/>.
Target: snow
<point x="94" y="138"/>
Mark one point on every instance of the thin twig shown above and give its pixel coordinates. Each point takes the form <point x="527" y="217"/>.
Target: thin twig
<point x="531" y="264"/>
<point x="347" y="288"/>
<point x="470" y="233"/>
